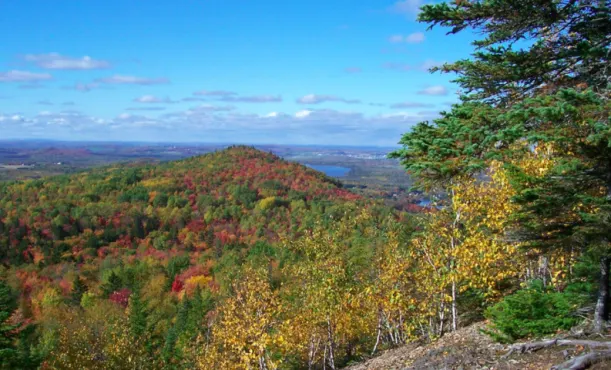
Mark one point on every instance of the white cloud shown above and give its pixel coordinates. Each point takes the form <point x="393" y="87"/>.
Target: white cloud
<point x="331" y="115"/>
<point x="14" y="118"/>
<point x="148" y="99"/>
<point x="402" y="115"/>
<point x="146" y="108"/>
<point x="210" y="108"/>
<point x="437" y="90"/>
<point x="395" y="39"/>
<point x="317" y="99"/>
<point x="193" y="99"/>
<point x="208" y="124"/>
<point x="133" y="121"/>
<point x="23" y="76"/>
<point x="407" y="7"/>
<point x="132" y="80"/>
<point x="253" y="99"/>
<point x="84" y="87"/>
<point x="57" y="61"/>
<point x="303" y="113"/>
<point x="414" y="38"/>
<point x="230" y="96"/>
<point x="408" y="104"/>
<point x="47" y="123"/>
<point x="214" y="93"/>
<point x="152" y="99"/>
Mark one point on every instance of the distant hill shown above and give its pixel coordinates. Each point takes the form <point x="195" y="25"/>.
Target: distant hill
<point x="237" y="195"/>
<point x="63" y="152"/>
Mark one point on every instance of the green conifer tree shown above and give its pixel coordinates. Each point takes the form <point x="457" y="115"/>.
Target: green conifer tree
<point x="137" y="314"/>
<point x="113" y="284"/>
<point x="8" y="350"/>
<point x="78" y="289"/>
<point x="169" y="349"/>
<point x="15" y="338"/>
<point x="553" y="89"/>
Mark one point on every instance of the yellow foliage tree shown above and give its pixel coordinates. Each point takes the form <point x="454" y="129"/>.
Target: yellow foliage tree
<point x="195" y="282"/>
<point x="465" y="246"/>
<point x="328" y="309"/>
<point x="244" y="335"/>
<point x="393" y="295"/>
<point x="267" y="203"/>
<point x="98" y="338"/>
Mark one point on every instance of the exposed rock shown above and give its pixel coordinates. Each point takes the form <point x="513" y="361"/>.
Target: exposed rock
<point x="469" y="348"/>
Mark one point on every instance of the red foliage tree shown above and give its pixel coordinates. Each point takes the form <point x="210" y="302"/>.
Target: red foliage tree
<point x="177" y="285"/>
<point x="120" y="297"/>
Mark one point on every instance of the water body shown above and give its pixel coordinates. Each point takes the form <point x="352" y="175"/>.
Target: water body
<point x="427" y="203"/>
<point x="332" y="171"/>
<point x="424" y="203"/>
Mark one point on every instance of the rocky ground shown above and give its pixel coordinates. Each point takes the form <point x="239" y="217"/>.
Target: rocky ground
<point x="468" y="348"/>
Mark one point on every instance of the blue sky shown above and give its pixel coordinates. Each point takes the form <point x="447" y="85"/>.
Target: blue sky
<point x="286" y="72"/>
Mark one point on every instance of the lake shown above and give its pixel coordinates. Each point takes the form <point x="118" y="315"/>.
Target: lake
<point x="333" y="171"/>
<point x="424" y="203"/>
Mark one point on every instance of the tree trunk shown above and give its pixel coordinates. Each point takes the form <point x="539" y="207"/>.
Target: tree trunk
<point x="324" y="359"/>
<point x="454" y="242"/>
<point x="543" y="267"/>
<point x="584" y="361"/>
<point x="401" y="331"/>
<point x="454" y="309"/>
<point x="331" y="344"/>
<point x="442" y="314"/>
<point x="375" y="347"/>
<point x="311" y="356"/>
<point x="601" y="314"/>
<point x="535" y="346"/>
<point x="312" y="352"/>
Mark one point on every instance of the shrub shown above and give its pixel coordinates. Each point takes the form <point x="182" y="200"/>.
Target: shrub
<point x="267" y="203"/>
<point x="532" y="312"/>
<point x="161" y="200"/>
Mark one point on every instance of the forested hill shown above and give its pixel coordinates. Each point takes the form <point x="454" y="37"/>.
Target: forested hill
<point x="189" y="264"/>
<point x="236" y="196"/>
